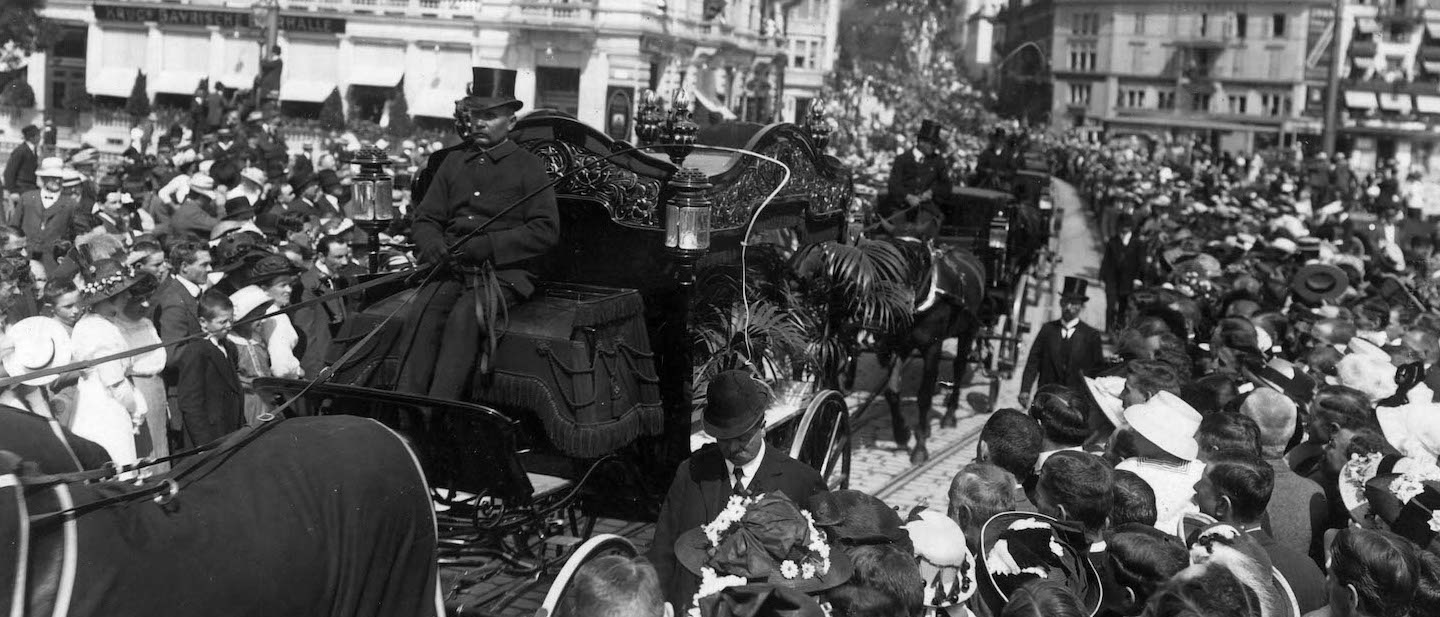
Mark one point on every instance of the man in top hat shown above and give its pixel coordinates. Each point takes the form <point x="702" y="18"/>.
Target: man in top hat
<point x="43" y="215"/>
<point x="1065" y="349"/>
<point x="24" y="160"/>
<point x="921" y="175"/>
<point x="1120" y="268"/>
<point x="990" y="165"/>
<point x="421" y="184"/>
<point x="488" y="211"/>
<point x="740" y="462"/>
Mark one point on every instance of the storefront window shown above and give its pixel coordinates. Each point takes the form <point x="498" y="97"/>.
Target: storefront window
<point x="557" y="88"/>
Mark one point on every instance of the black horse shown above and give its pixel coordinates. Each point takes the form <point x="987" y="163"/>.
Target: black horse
<point x="950" y="284"/>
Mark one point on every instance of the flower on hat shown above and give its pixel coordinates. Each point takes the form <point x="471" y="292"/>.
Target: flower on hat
<point x="711" y="584"/>
<point x="1412" y="483"/>
<point x="1435" y="521"/>
<point x="730" y="540"/>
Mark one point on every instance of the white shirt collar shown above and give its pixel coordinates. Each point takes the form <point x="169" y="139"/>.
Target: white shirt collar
<point x="1070" y="325"/>
<point x="1125" y="238"/>
<point x="190" y="288"/>
<point x="749" y="468"/>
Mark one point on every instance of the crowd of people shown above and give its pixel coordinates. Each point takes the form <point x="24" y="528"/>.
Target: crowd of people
<point x="1259" y="438"/>
<point x="203" y="226"/>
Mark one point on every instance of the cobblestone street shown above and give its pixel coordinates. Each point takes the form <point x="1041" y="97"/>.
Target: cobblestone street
<point x="879" y="465"/>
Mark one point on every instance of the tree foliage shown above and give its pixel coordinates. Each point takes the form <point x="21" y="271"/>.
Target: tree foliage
<point x="138" y="105"/>
<point x="17" y="94"/>
<point x="905" y="54"/>
<point x="22" y="31"/>
<point x="332" y="112"/>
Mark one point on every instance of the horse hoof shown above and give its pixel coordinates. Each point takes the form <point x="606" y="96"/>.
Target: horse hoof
<point x="919" y="455"/>
<point x="902" y="438"/>
<point x="948" y="420"/>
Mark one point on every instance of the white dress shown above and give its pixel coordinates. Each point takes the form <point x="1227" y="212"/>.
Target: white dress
<point x="280" y="341"/>
<point x="108" y="410"/>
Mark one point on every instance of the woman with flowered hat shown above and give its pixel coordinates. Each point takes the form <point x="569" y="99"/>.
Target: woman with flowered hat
<point x="762" y="539"/>
<point x="108" y="408"/>
<point x="146" y="368"/>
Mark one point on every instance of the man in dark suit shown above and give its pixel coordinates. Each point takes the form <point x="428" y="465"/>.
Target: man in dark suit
<point x="739" y="463"/>
<point x="208" y="394"/>
<point x="1120" y="268"/>
<point x="24" y="159"/>
<point x="43" y="215"/>
<point x="1342" y="180"/>
<point x="920" y="176"/>
<point x="319" y="323"/>
<point x="1065" y="348"/>
<point x="174" y="303"/>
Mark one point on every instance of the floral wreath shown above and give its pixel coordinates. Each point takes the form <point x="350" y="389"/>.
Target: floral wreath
<point x="815" y="564"/>
<point x="1411" y="484"/>
<point x="99" y="285"/>
<point x="1407" y="486"/>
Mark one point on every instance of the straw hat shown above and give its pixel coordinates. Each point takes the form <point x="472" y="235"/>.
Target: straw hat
<point x="51" y="167"/>
<point x="1103" y="391"/>
<point x="250" y="301"/>
<point x="1168" y="422"/>
<point x="40" y="343"/>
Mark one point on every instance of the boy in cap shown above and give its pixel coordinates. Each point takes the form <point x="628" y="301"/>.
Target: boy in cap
<point x="738" y="463"/>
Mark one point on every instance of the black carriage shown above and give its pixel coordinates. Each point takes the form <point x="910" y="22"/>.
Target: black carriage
<point x="591" y="406"/>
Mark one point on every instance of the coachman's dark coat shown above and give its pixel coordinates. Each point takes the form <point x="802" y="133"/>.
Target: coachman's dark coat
<point x="701" y="488"/>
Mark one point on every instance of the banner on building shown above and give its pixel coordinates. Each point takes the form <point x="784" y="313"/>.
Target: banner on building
<point x="166" y="16"/>
<point x="619" y="111"/>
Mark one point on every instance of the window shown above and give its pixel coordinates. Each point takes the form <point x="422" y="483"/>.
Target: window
<point x="1241" y="25"/>
<point x="1204" y="24"/>
<point x="1085" y="23"/>
<point x="1139" y="23"/>
<point x="1278" y="26"/>
<point x="1237" y="103"/>
<point x="1133" y="98"/>
<point x="557" y="88"/>
<point x="1138" y="55"/>
<point x="1275" y="104"/>
<point x="804" y="53"/>
<point x="1165" y="99"/>
<point x="1082" y="56"/>
<point x="1200" y="101"/>
<point x="1079" y="94"/>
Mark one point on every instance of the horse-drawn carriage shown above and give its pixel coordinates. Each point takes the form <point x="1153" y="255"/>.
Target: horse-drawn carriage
<point x="589" y="406"/>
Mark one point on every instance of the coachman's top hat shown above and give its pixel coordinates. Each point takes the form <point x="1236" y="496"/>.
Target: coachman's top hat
<point x="930" y="131"/>
<point x="490" y="89"/>
<point x="735" y="402"/>
<point x="1076" y="289"/>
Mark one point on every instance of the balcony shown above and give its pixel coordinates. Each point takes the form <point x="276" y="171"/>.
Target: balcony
<point x="552" y="14"/>
<point x="443" y="9"/>
<point x="1400" y="12"/>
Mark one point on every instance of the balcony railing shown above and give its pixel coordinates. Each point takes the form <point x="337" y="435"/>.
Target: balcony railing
<point x="410" y="8"/>
<point x="553" y="13"/>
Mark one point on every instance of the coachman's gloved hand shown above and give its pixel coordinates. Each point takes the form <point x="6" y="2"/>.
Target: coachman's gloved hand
<point x="480" y="249"/>
<point x="433" y="252"/>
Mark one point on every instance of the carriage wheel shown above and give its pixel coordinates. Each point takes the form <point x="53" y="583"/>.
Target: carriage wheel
<point x="822" y="438"/>
<point x="594" y="548"/>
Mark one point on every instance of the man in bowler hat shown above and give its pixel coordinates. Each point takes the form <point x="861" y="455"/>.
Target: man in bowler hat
<point x="921" y="175"/>
<point x="1065" y="348"/>
<point x="739" y="462"/>
<point x="1120" y="267"/>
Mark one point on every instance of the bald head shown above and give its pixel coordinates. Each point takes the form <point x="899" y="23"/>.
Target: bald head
<point x="1275" y="414"/>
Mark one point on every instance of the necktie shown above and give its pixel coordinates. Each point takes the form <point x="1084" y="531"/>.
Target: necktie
<point x="739" y="487"/>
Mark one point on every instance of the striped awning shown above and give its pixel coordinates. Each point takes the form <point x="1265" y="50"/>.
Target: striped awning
<point x="1390" y="101"/>
<point x="1427" y="104"/>
<point x="1360" y="100"/>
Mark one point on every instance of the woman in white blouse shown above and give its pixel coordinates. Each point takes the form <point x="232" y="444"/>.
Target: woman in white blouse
<point x="108" y="409"/>
<point x="139" y="331"/>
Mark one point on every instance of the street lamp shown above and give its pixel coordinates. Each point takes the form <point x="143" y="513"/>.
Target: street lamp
<point x="372" y="207"/>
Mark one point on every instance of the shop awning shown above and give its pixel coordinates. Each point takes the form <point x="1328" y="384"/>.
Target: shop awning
<point x="1431" y="67"/>
<point x="1390" y="101"/>
<point x="305" y="90"/>
<point x="177" y="82"/>
<point x="1365" y="25"/>
<point x="1360" y="100"/>
<point x="111" y="81"/>
<point x="435" y="104"/>
<point x="1427" y="104"/>
<point x="1432" y="28"/>
<point x="378" y="76"/>
<point x="712" y="104"/>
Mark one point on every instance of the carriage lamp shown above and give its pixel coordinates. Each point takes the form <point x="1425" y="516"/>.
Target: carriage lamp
<point x="372" y="207"/>
<point x="687" y="214"/>
<point x="818" y="125"/>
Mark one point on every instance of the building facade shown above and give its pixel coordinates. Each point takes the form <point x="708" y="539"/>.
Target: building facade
<point x="1234" y="75"/>
<point x="1390" y="85"/>
<point x="1023" y="80"/>
<point x="589" y="58"/>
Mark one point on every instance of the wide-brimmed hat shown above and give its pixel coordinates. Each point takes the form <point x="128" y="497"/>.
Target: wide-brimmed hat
<point x="39" y="343"/>
<point x="107" y="278"/>
<point x="269" y="267"/>
<point x="238" y="250"/>
<point x="769" y="540"/>
<point x="946" y="565"/>
<point x="51" y="167"/>
<point x="1408" y="503"/>
<point x="202" y="182"/>
<point x="253" y="174"/>
<point x="1319" y="282"/>
<point x="250" y="302"/>
<point x="855" y="518"/>
<point x="1211" y="541"/>
<point x="735" y="402"/>
<point x="72" y="177"/>
<point x="238" y="207"/>
<point x="1019" y="545"/>
<point x="1279" y="374"/>
<point x="1075" y="289"/>
<point x="1168" y="422"/>
<point x="1105" y="391"/>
